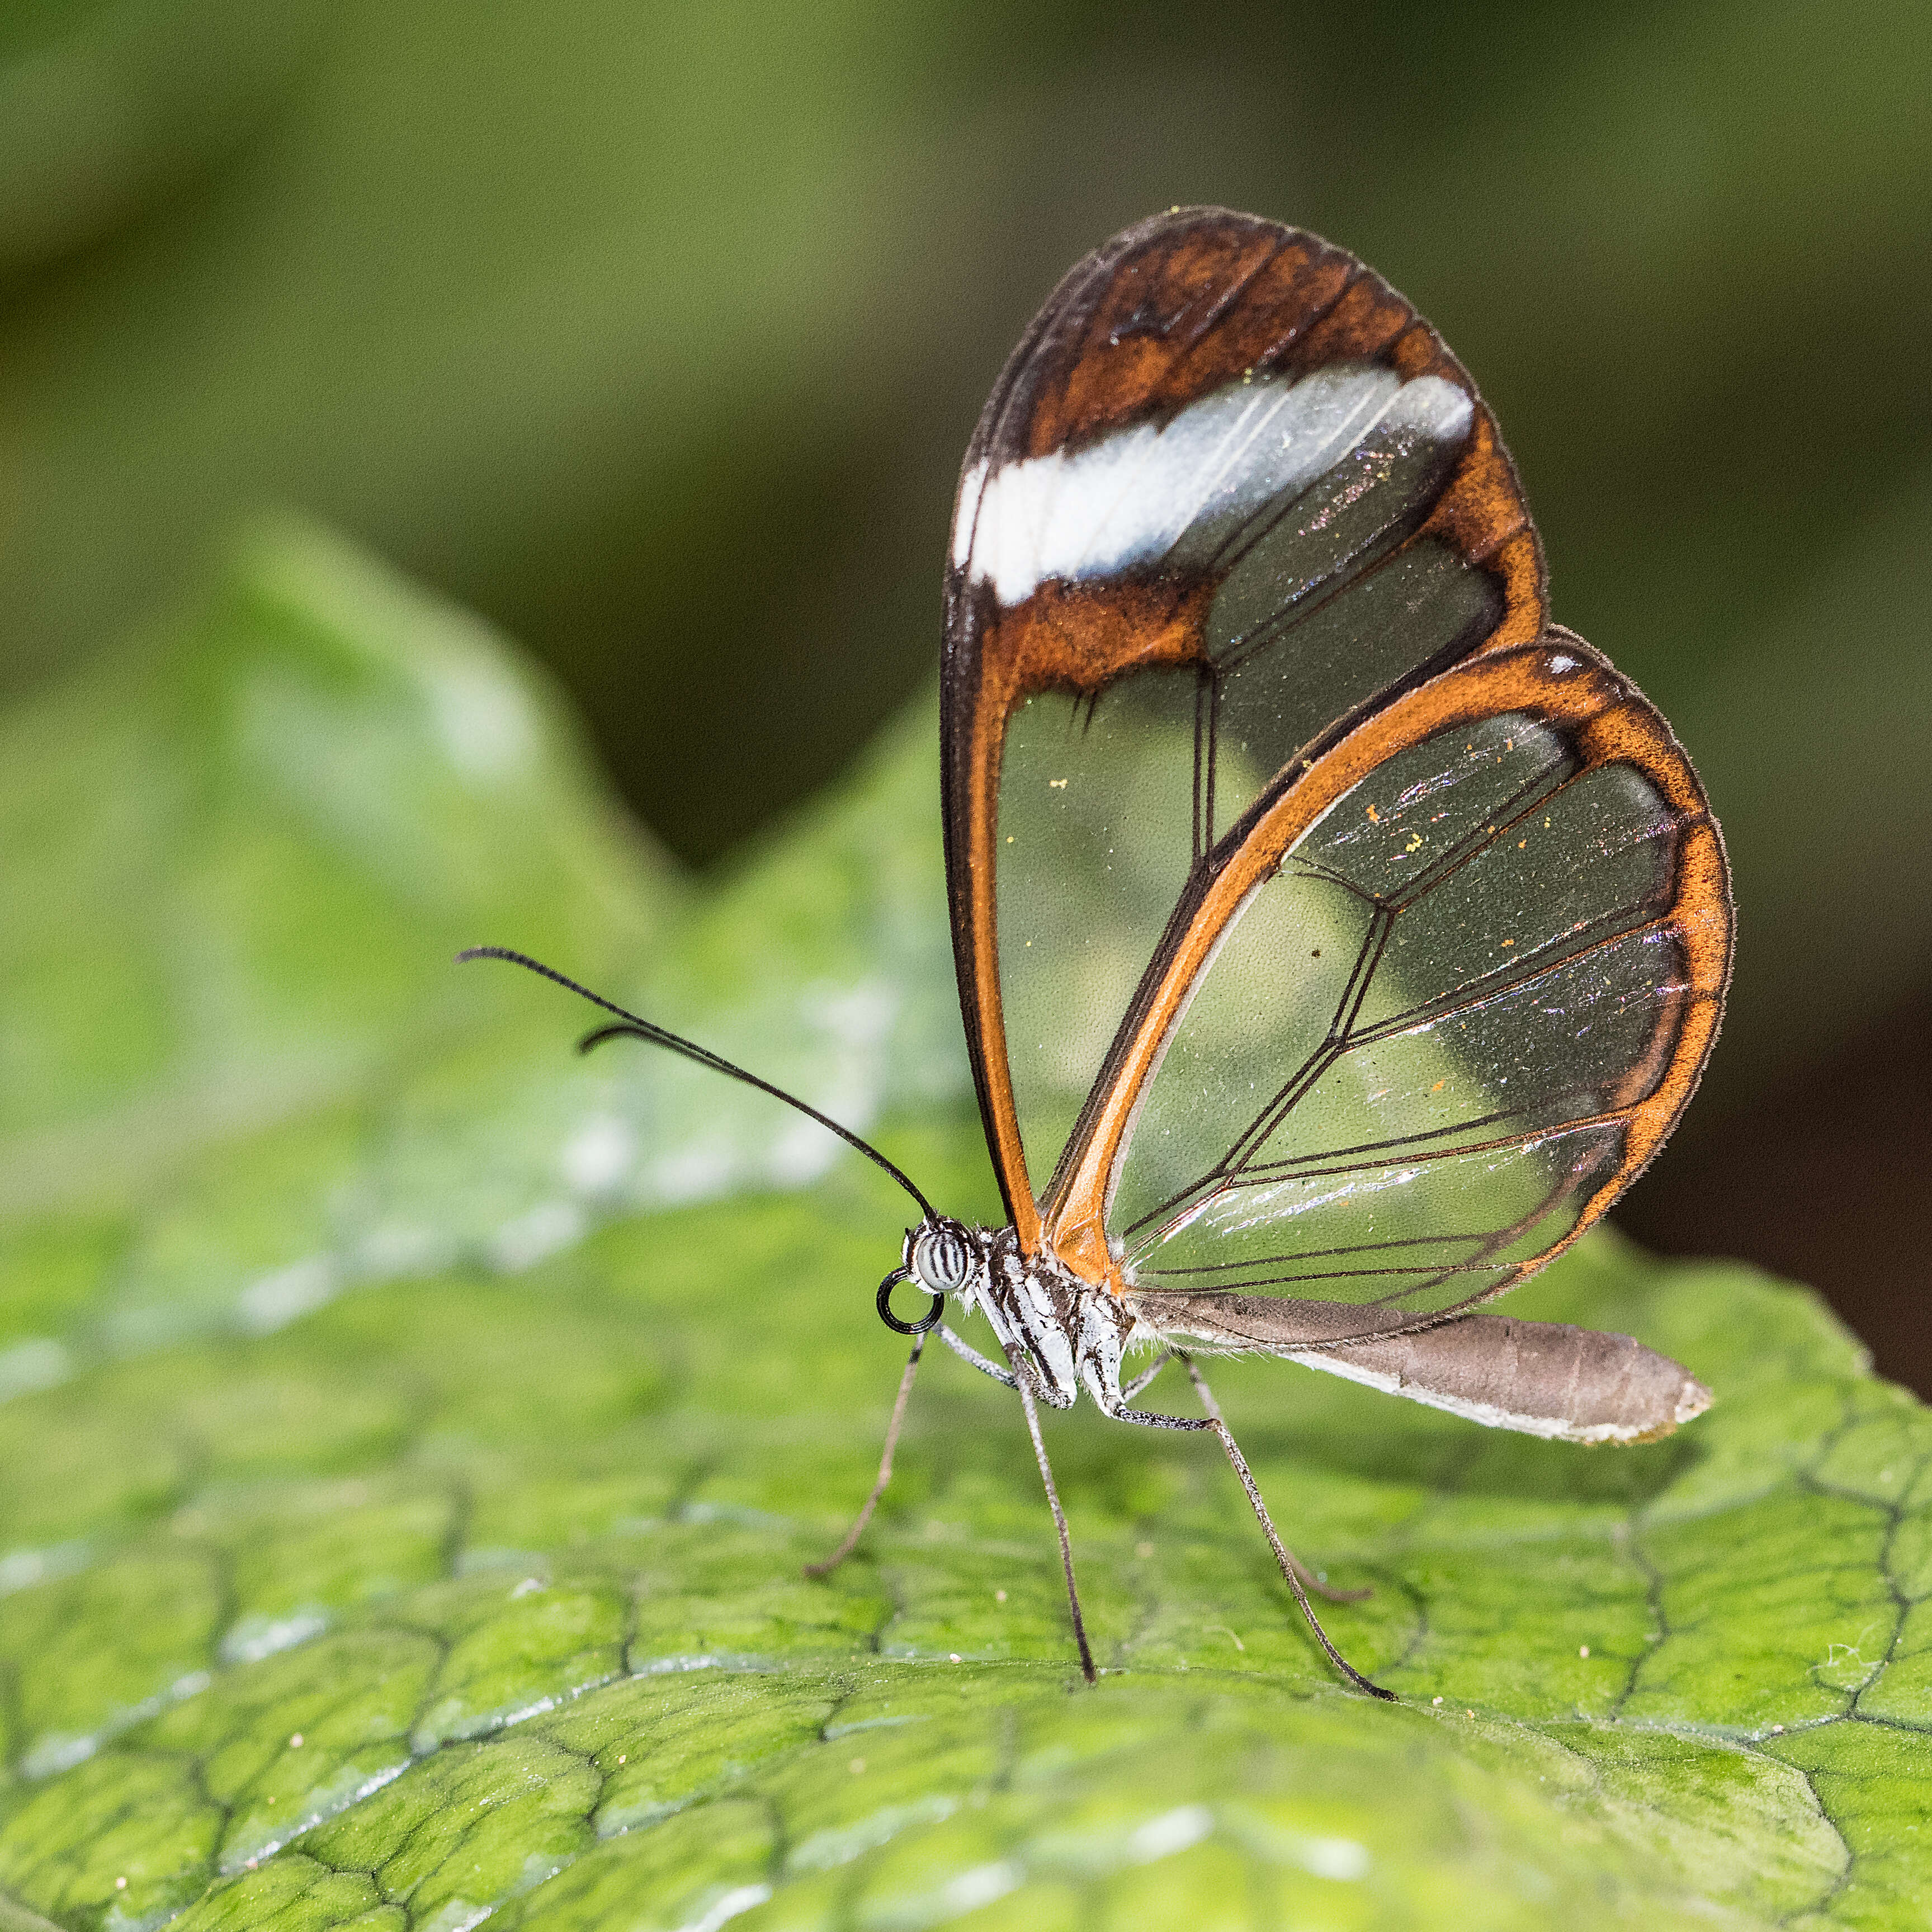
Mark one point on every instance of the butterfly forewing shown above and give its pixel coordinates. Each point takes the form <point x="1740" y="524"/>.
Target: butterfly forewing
<point x="1230" y="495"/>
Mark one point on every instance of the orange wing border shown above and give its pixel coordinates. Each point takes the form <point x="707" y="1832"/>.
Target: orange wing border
<point x="1561" y="681"/>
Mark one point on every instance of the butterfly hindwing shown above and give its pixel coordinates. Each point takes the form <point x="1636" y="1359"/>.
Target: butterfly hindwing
<point x="1428" y="1017"/>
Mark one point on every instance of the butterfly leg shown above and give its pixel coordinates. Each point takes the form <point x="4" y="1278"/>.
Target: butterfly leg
<point x="858" y="1529"/>
<point x="1020" y="1382"/>
<point x="1147" y="1375"/>
<point x="1213" y="1408"/>
<point x="1291" y="1569"/>
<point x="965" y="1351"/>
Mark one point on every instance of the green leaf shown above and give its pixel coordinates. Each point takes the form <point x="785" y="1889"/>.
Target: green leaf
<point x="414" y="1434"/>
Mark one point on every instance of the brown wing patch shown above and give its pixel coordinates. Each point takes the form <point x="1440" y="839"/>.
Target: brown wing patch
<point x="1188" y="303"/>
<point x="1372" y="323"/>
<point x="1079" y="637"/>
<point x="1483" y="515"/>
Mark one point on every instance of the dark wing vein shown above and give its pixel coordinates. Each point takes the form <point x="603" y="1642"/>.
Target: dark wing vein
<point x="1499" y="984"/>
<point x="1333" y="1167"/>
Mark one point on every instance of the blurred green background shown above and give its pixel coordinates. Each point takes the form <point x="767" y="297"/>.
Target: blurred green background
<point x="655" y="333"/>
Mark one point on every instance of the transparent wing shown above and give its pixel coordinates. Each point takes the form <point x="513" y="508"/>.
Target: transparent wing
<point x="1231" y="497"/>
<point x="1431" y="1014"/>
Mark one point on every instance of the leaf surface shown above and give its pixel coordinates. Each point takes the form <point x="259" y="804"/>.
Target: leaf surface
<point x="413" y="1434"/>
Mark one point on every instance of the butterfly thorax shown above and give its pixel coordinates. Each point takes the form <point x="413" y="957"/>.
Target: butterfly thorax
<point x="1066" y="1330"/>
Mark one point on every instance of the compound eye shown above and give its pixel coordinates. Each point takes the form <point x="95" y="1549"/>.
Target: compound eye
<point x="942" y="1260"/>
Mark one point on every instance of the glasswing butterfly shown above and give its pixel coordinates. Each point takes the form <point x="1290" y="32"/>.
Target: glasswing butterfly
<point x="1336" y="937"/>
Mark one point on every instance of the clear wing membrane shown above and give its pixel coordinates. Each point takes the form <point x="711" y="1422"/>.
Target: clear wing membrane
<point x="1097" y="831"/>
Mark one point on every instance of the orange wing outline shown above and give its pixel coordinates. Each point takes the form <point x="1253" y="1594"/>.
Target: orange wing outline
<point x="1161" y="316"/>
<point x="1561" y="681"/>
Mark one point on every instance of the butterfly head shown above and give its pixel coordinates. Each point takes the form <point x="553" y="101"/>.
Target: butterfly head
<point x="944" y="1257"/>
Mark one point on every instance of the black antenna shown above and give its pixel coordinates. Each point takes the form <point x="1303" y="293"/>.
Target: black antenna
<point x="643" y="1029"/>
